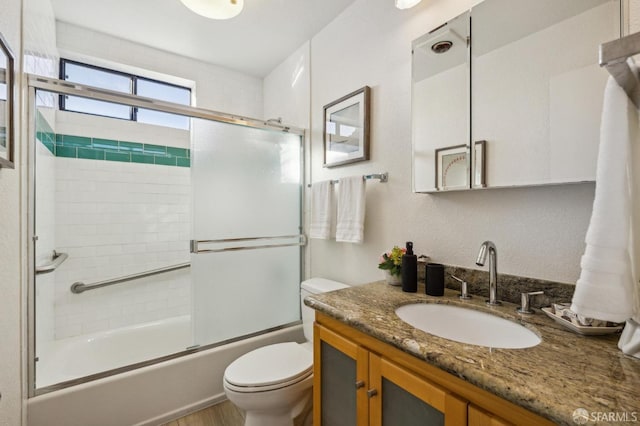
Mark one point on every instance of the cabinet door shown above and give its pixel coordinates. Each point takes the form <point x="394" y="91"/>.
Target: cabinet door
<point x="340" y="380"/>
<point x="402" y="398"/>
<point x="478" y="417"/>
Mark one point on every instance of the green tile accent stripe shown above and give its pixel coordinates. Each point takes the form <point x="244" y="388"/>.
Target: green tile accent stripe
<point x="71" y="146"/>
<point x="125" y="157"/>
<point x="184" y="162"/>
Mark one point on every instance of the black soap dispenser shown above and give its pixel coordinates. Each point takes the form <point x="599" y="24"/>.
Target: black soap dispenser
<point x="409" y="270"/>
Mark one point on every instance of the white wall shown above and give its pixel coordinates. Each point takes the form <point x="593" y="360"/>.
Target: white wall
<point x="40" y="51"/>
<point x="11" y="247"/>
<point x="216" y="88"/>
<point x="539" y="231"/>
<point x="287" y="89"/>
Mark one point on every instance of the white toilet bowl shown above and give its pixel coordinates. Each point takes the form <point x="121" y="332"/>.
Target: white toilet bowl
<point x="273" y="384"/>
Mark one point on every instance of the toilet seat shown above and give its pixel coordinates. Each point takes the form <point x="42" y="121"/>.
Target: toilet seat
<point x="270" y="367"/>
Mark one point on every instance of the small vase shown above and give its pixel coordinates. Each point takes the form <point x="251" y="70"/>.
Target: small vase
<point x="392" y="279"/>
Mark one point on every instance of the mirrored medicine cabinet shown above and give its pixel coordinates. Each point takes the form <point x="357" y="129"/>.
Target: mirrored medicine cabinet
<point x="510" y="94"/>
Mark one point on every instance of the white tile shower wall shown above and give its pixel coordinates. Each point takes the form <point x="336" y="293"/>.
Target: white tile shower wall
<point x="116" y="219"/>
<point x="46" y="243"/>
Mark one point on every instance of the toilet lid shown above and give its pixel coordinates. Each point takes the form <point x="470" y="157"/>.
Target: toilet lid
<point x="269" y="365"/>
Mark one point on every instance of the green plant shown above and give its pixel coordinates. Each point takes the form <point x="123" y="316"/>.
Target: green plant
<point x="392" y="261"/>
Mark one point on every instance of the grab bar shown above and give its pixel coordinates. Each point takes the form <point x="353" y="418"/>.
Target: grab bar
<point x="195" y="249"/>
<point x="80" y="287"/>
<point x="56" y="261"/>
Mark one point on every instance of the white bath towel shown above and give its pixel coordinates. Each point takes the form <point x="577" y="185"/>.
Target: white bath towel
<point x="351" y="208"/>
<point x="321" y="210"/>
<point x="607" y="289"/>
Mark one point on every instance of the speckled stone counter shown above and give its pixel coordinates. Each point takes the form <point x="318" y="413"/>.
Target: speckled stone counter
<point x="565" y="372"/>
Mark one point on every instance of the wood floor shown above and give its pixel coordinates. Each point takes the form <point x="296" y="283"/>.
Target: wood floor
<point x="223" y="414"/>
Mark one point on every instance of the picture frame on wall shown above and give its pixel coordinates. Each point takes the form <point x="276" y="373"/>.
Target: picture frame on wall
<point x="346" y="129"/>
<point x="7" y="130"/>
<point x="452" y="168"/>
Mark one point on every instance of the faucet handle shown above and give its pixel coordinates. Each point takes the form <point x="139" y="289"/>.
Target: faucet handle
<point x="525" y="307"/>
<point x="464" y="295"/>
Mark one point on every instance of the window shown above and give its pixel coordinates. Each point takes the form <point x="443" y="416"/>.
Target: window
<point x="117" y="81"/>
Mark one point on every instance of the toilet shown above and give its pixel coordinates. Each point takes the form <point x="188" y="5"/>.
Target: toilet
<point x="273" y="384"/>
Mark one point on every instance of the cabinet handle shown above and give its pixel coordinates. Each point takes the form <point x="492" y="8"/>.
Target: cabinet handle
<point x="359" y="384"/>
<point x="372" y="392"/>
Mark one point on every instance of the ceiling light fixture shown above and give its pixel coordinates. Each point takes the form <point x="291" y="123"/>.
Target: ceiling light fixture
<point x="406" y="4"/>
<point x="215" y="9"/>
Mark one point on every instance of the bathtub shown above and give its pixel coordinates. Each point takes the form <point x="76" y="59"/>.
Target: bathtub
<point x="81" y="356"/>
<point x="150" y="395"/>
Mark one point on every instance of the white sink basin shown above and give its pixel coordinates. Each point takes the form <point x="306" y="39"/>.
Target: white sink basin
<point x="467" y="326"/>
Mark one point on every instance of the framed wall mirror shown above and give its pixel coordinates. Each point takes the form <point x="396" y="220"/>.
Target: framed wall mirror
<point x="6" y="104"/>
<point x="521" y="75"/>
<point x="440" y="100"/>
<point x="346" y="129"/>
<point x="538" y="89"/>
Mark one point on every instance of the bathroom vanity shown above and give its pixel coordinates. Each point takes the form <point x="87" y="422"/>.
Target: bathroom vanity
<point x="370" y="367"/>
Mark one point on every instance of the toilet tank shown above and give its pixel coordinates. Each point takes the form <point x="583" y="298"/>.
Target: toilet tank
<point x="314" y="286"/>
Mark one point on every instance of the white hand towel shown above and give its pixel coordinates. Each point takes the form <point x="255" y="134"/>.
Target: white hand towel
<point x="351" y="206"/>
<point x="606" y="288"/>
<point x="321" y="209"/>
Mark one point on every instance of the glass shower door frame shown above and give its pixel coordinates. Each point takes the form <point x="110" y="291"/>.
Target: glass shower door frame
<point x="65" y="88"/>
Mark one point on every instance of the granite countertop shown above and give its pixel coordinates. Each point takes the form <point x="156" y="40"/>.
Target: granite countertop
<point x="565" y="372"/>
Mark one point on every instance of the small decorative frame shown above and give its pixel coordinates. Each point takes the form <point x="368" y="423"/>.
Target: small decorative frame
<point x="478" y="166"/>
<point x="6" y="104"/>
<point x="452" y="168"/>
<point x="346" y="129"/>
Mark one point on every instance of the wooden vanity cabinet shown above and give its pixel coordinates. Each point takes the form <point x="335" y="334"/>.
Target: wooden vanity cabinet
<point x="479" y="417"/>
<point x="359" y="380"/>
<point x="354" y="386"/>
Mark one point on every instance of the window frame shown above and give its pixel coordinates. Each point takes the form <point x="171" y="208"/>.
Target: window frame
<point x="133" y="111"/>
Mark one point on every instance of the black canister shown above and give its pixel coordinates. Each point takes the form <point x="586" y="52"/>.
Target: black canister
<point x="409" y="270"/>
<point x="435" y="279"/>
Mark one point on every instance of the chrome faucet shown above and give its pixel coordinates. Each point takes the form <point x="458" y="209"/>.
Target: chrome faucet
<point x="489" y="246"/>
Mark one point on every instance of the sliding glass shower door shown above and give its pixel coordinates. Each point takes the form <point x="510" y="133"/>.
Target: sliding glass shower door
<point x="246" y="192"/>
<point x="148" y="241"/>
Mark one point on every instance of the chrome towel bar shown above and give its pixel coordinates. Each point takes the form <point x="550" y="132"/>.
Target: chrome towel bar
<point x="56" y="261"/>
<point x="382" y="177"/>
<point x="616" y="57"/>
<point x="80" y="287"/>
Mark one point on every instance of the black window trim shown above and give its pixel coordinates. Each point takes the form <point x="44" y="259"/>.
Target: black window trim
<point x="133" y="111"/>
